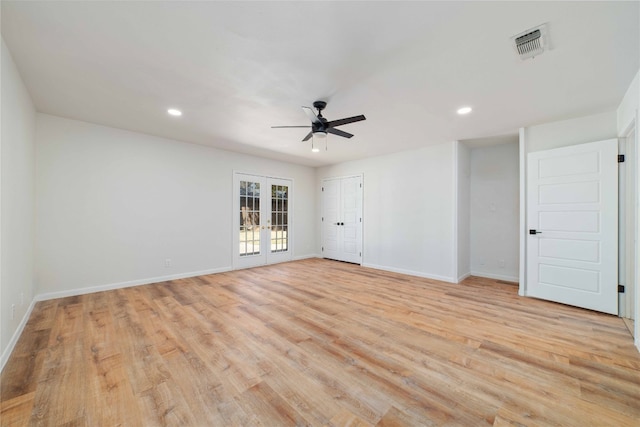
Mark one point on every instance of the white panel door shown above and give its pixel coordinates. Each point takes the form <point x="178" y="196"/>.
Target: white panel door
<point x="262" y="220"/>
<point x="342" y="219"/>
<point x="572" y="218"/>
<point x="351" y="218"/>
<point x="331" y="242"/>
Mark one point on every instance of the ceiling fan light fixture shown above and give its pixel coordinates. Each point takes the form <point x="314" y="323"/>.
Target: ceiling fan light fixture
<point x="319" y="134"/>
<point x="315" y="150"/>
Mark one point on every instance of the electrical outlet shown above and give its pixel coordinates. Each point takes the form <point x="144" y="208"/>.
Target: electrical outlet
<point x="167" y="263"/>
<point x="13" y="311"/>
<point x="501" y="263"/>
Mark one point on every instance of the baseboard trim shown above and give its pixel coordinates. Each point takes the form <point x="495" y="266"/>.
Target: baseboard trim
<point x="506" y="278"/>
<point x="301" y="257"/>
<point x="464" y="276"/>
<point x="16" y="335"/>
<point x="128" y="284"/>
<point x="410" y="272"/>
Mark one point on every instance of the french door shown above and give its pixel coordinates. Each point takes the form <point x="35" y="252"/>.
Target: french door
<point x="572" y="218"/>
<point x="262" y="218"/>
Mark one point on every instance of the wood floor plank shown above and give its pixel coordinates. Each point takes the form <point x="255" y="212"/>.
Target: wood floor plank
<point x="319" y="343"/>
<point x="16" y="411"/>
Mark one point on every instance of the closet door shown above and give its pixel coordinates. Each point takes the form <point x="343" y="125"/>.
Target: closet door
<point x="331" y="244"/>
<point x="342" y="219"/>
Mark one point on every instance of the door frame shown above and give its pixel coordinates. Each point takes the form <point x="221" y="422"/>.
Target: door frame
<point x="234" y="215"/>
<point x="628" y="212"/>
<point x="362" y="238"/>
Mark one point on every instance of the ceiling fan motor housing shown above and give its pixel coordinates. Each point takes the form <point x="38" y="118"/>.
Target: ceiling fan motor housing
<point x="319" y="105"/>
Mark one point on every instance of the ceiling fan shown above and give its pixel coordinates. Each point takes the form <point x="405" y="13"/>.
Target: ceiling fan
<point x="320" y="126"/>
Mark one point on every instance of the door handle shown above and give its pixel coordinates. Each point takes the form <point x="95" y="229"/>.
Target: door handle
<point x="338" y="223"/>
<point x="535" y="232"/>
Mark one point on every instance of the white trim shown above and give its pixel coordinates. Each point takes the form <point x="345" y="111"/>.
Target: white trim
<point x="16" y="335"/>
<point x="301" y="257"/>
<point x="522" y="287"/>
<point x="633" y="126"/>
<point x="128" y="284"/>
<point x="637" y="236"/>
<point x="261" y="175"/>
<point x="455" y="209"/>
<point x="463" y="276"/>
<point x="495" y="276"/>
<point x="410" y="272"/>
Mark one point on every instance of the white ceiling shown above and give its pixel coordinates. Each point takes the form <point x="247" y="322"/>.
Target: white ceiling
<point x="237" y="68"/>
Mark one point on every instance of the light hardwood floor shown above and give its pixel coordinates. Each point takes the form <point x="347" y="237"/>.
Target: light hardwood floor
<point x="320" y="342"/>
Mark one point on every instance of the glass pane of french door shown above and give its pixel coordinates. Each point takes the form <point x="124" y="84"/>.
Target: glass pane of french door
<point x="249" y="232"/>
<point x="279" y="218"/>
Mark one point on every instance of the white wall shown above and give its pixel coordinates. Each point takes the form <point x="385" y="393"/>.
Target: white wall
<point x="463" y="211"/>
<point x="494" y="211"/>
<point x="113" y="205"/>
<point x="563" y="133"/>
<point x="17" y="203"/>
<point x="408" y="210"/>
<point x="629" y="106"/>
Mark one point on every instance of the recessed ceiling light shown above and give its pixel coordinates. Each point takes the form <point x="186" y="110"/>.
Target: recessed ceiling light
<point x="174" y="112"/>
<point x="464" y="110"/>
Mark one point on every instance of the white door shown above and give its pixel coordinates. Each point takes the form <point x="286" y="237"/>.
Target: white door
<point x="342" y="219"/>
<point x="262" y="220"/>
<point x="572" y="218"/>
<point x="351" y="219"/>
<point x="331" y="242"/>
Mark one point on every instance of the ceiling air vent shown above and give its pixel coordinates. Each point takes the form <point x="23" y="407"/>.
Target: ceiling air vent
<point x="531" y="42"/>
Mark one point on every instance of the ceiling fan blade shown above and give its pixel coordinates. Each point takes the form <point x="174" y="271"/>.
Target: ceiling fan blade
<point x="308" y="137"/>
<point x="339" y="132"/>
<point x="340" y="122"/>
<point x="311" y="114"/>
<point x="282" y="127"/>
